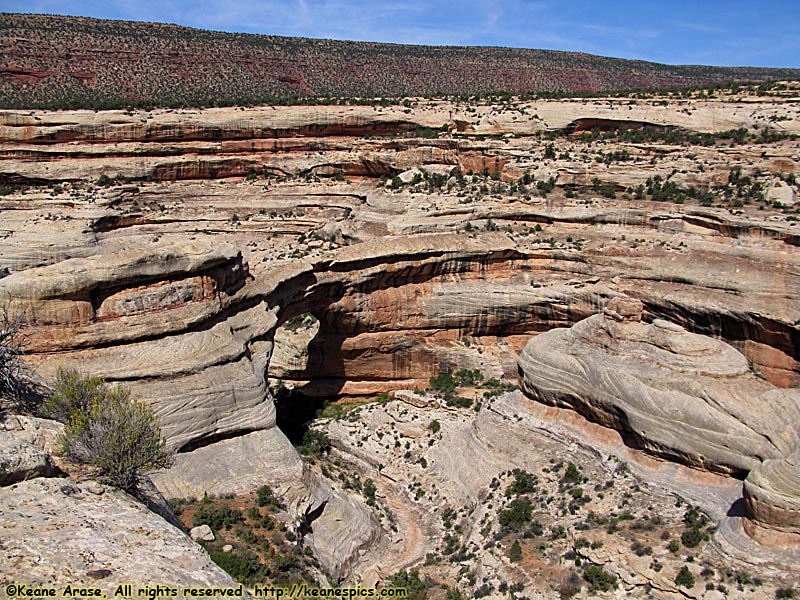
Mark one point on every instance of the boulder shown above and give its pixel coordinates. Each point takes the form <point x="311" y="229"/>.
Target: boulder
<point x="410" y="175"/>
<point x="781" y="194"/>
<point x="20" y="460"/>
<point x="202" y="533"/>
<point x="623" y="308"/>
<point x="22" y="451"/>
<point x="58" y="533"/>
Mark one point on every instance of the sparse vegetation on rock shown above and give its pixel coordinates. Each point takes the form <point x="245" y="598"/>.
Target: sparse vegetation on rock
<point x="107" y="429"/>
<point x="315" y="443"/>
<point x="251" y="69"/>
<point x="411" y="582"/>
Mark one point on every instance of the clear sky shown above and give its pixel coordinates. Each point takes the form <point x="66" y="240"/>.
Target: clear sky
<point x="711" y="32"/>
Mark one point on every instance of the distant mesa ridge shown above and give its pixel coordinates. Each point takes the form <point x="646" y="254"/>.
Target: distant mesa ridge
<point x="51" y="61"/>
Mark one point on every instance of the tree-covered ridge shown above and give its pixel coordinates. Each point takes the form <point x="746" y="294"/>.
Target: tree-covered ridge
<point x="70" y="62"/>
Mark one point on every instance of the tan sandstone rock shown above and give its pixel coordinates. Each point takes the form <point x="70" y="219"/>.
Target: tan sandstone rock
<point x="681" y="395"/>
<point x="781" y="194"/>
<point x="26" y="447"/>
<point x="64" y="533"/>
<point x="772" y="492"/>
<point x="202" y="533"/>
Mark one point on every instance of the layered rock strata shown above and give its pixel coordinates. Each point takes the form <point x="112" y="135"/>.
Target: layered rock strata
<point x="78" y="148"/>
<point x="772" y="492"/>
<point x="391" y="314"/>
<point x="683" y="396"/>
<point x="192" y="308"/>
<point x="169" y="145"/>
<point x="190" y="331"/>
<point x="177" y="288"/>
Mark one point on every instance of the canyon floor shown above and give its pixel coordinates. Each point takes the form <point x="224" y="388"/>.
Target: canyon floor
<point x="345" y="253"/>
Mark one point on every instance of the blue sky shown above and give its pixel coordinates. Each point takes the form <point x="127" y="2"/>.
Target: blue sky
<point x="713" y="32"/>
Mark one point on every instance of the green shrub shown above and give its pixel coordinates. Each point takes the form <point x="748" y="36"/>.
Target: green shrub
<point x="285" y="562"/>
<point x="444" y="383"/>
<point x="73" y="394"/>
<point x="558" y="532"/>
<point x="458" y="401"/>
<point x="315" y="443"/>
<point x="515" y="552"/>
<point x="302" y="320"/>
<point x="468" y="377"/>
<point x="104" y="181"/>
<point x="107" y="429"/>
<point x="694" y="518"/>
<point x="782" y="593"/>
<point x="176" y="505"/>
<point x="266" y="497"/>
<point x="243" y="566"/>
<point x="369" y="490"/>
<point x="692" y="537"/>
<point x="517" y="515"/>
<point x="685" y="578"/>
<point x="743" y="578"/>
<point x="641" y="550"/>
<point x="447" y="515"/>
<point x="599" y="579"/>
<point x="534" y="530"/>
<point x="523" y="483"/>
<point x="221" y="517"/>
<point x="410" y="580"/>
<point x="572" y="475"/>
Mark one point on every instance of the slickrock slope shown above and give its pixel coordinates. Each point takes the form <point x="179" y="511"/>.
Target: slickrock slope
<point x="63" y="533"/>
<point x="59" y="532"/>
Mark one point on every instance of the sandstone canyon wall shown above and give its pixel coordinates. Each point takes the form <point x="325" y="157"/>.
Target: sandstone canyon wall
<point x="176" y="280"/>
